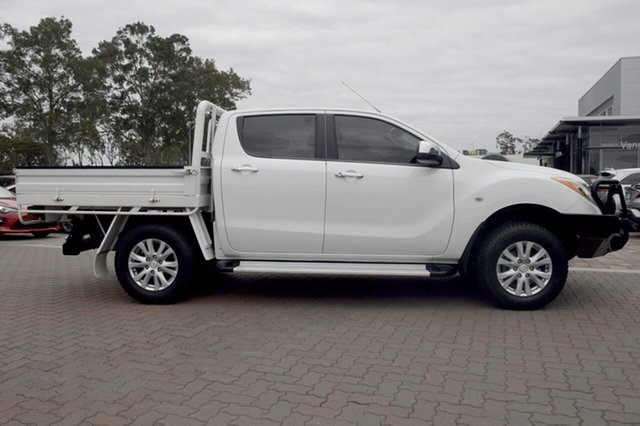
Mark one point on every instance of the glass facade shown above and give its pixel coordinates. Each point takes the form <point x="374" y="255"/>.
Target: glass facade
<point x="599" y="148"/>
<point x="615" y="147"/>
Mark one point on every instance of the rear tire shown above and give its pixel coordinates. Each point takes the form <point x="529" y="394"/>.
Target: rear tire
<point x="521" y="266"/>
<point x="155" y="264"/>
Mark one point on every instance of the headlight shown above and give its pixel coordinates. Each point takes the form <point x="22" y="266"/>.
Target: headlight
<point x="5" y="210"/>
<point x="576" y="186"/>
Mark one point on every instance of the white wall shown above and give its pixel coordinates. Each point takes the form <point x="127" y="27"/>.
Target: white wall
<point x="630" y="100"/>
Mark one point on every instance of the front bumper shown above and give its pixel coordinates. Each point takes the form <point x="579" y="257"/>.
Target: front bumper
<point x="597" y="235"/>
<point x="10" y="224"/>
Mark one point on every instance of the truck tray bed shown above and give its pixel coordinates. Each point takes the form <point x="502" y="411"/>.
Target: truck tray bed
<point x="114" y="187"/>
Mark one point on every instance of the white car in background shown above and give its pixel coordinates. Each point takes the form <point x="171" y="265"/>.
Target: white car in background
<point x="626" y="177"/>
<point x="630" y="181"/>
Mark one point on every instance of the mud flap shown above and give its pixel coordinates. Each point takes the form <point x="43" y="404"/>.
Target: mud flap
<point x="202" y="235"/>
<point x="108" y="243"/>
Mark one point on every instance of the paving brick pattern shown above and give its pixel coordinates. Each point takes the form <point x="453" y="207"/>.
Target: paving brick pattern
<point x="271" y="350"/>
<point x="627" y="258"/>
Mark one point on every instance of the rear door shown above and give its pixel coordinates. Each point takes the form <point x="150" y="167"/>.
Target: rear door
<point x="274" y="183"/>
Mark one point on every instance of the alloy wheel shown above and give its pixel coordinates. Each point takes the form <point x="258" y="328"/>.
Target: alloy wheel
<point x="524" y="268"/>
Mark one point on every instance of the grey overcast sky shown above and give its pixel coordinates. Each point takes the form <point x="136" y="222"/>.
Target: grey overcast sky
<point x="462" y="71"/>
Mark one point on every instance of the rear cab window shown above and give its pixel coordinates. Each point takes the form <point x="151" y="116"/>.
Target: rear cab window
<point x="284" y="136"/>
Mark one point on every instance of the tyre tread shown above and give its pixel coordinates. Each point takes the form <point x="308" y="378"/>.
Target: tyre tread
<point x="484" y="266"/>
<point x="184" y="250"/>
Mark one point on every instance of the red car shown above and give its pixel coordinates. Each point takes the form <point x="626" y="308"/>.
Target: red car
<point x="10" y="222"/>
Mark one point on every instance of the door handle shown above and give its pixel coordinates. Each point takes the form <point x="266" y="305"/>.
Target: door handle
<point x="245" y="169"/>
<point x="349" y="174"/>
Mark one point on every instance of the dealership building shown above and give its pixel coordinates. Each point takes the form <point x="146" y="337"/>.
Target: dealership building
<point x="606" y="132"/>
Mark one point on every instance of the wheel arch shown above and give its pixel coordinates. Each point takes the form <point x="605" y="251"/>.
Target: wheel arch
<point x="531" y="213"/>
<point x="194" y="227"/>
<point x="178" y="223"/>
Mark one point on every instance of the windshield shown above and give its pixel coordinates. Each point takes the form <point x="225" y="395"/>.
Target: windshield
<point x="632" y="179"/>
<point x="5" y="194"/>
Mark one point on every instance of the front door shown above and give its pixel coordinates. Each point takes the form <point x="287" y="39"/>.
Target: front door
<point x="378" y="201"/>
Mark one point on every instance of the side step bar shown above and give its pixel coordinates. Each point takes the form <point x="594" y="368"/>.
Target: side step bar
<point x="335" y="268"/>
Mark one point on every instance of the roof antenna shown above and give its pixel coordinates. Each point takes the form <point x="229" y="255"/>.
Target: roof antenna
<point x="361" y="97"/>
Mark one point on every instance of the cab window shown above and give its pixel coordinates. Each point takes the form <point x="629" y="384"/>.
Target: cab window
<point x="371" y="140"/>
<point x="278" y="136"/>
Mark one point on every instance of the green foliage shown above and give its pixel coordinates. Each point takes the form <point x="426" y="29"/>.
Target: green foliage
<point x="152" y="85"/>
<point x="18" y="152"/>
<point x="509" y="144"/>
<point x="529" y="143"/>
<point x="40" y="83"/>
<point x="506" y="143"/>
<point x="131" y="102"/>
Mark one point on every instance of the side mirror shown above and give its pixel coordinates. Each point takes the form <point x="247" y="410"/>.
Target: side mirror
<point x="429" y="154"/>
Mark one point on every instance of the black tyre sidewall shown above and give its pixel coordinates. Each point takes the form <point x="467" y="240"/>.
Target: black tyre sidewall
<point x="184" y="253"/>
<point x="501" y="238"/>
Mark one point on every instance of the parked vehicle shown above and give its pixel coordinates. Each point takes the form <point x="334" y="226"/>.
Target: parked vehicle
<point x="65" y="226"/>
<point x="627" y="178"/>
<point x="634" y="220"/>
<point x="10" y="222"/>
<point x="322" y="191"/>
<point x="589" y="179"/>
<point x="7" y="180"/>
<point x="495" y="157"/>
<point x="633" y="201"/>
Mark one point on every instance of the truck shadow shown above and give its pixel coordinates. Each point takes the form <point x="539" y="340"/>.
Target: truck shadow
<point x="452" y="290"/>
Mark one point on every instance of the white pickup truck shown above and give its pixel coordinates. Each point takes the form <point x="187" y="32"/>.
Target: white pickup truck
<point x="329" y="191"/>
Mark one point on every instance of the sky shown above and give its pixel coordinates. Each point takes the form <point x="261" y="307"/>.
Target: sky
<point x="461" y="71"/>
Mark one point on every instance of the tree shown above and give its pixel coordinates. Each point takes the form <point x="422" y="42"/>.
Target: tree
<point x="509" y="144"/>
<point x="529" y="143"/>
<point x="152" y="85"/>
<point x="131" y="102"/>
<point x="42" y="87"/>
<point x="506" y="143"/>
<point x="17" y="152"/>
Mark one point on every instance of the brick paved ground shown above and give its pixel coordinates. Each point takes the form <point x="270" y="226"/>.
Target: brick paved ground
<point x="627" y="258"/>
<point x="272" y="350"/>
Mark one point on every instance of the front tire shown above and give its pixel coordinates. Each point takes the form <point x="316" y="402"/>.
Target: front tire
<point x="521" y="266"/>
<point x="155" y="264"/>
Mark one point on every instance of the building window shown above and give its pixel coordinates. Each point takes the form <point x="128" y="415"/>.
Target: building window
<point x="594" y="161"/>
<point x="619" y="158"/>
<point x="605" y="108"/>
<point x="607" y="111"/>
